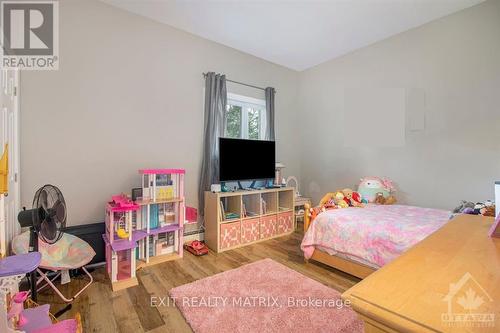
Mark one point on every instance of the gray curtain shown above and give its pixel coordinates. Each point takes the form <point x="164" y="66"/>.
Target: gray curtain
<point x="270" y="92"/>
<point x="215" y="120"/>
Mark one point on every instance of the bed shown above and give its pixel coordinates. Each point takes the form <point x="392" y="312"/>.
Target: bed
<point x="359" y="241"/>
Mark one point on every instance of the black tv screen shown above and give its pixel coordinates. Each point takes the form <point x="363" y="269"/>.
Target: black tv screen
<point x="246" y="159"/>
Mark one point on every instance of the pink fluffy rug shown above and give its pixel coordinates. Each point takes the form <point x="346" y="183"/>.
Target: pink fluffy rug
<point x="263" y="296"/>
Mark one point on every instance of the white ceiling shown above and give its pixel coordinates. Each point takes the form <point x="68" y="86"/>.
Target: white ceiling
<point x="297" y="34"/>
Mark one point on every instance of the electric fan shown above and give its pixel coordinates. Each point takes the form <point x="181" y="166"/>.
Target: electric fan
<point x="46" y="221"/>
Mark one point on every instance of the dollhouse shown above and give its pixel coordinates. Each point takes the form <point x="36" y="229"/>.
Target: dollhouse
<point x="146" y="231"/>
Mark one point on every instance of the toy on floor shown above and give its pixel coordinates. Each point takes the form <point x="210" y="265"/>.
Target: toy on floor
<point x="14" y="317"/>
<point x="147" y="230"/>
<point x="196" y="247"/>
<point x="370" y="186"/>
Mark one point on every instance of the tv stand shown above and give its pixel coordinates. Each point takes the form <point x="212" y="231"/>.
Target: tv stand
<point x="240" y="218"/>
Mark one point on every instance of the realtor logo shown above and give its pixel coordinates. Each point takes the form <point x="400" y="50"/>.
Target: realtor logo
<point x="468" y="304"/>
<point x="30" y="34"/>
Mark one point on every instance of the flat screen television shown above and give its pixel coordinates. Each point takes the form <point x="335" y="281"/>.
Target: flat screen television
<point x="241" y="159"/>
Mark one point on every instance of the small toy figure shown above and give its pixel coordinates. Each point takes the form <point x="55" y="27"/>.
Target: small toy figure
<point x="356" y="200"/>
<point x="17" y="307"/>
<point x="122" y="233"/>
<point x="379" y="199"/>
<point x="196" y="247"/>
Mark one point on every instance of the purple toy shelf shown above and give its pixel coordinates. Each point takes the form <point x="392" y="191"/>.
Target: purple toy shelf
<point x="20" y="264"/>
<point x="167" y="228"/>
<point x="125" y="244"/>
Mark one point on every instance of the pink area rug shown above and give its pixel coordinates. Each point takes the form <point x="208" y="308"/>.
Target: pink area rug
<point x="263" y="296"/>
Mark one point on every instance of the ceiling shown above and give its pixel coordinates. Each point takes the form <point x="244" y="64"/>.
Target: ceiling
<point x="297" y="34"/>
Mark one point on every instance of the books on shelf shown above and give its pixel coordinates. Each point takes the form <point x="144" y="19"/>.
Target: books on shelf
<point x="263" y="206"/>
<point x="230" y="216"/>
<point x="222" y="211"/>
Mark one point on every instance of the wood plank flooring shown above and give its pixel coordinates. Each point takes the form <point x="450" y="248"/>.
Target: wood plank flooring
<point x="130" y="310"/>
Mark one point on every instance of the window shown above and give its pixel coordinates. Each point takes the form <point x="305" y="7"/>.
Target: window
<point x="245" y="117"/>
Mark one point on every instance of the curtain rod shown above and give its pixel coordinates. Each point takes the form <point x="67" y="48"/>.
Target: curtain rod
<point x="243" y="84"/>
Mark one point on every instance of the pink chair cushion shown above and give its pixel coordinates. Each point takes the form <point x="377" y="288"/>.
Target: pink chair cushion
<point x="70" y="252"/>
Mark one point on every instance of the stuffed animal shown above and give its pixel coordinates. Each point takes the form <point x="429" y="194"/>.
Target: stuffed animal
<point x="327" y="198"/>
<point x="313" y="212"/>
<point x="347" y="192"/>
<point x="379" y="199"/>
<point x="339" y="200"/>
<point x="352" y="198"/>
<point x="356" y="200"/>
<point x="369" y="187"/>
<point x="486" y="208"/>
<point x="488" y="211"/>
<point x="463" y="206"/>
<point x="390" y="200"/>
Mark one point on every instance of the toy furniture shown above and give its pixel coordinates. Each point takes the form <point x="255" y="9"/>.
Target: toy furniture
<point x="69" y="252"/>
<point x="236" y="219"/>
<point x="13" y="316"/>
<point x="423" y="289"/>
<point x="299" y="206"/>
<point x="147" y="231"/>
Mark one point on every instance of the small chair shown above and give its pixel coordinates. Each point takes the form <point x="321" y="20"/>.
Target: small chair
<point x="70" y="252"/>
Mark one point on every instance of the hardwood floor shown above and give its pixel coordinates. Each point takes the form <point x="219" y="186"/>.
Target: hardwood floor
<point x="130" y="310"/>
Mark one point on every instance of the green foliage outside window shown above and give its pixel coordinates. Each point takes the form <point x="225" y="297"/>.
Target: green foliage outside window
<point x="233" y="125"/>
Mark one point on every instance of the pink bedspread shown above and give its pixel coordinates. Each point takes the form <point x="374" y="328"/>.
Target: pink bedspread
<point x="374" y="235"/>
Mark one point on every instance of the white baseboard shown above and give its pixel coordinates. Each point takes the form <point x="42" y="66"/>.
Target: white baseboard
<point x="197" y="236"/>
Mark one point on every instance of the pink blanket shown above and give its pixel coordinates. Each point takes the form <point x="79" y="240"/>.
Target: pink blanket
<point x="374" y="235"/>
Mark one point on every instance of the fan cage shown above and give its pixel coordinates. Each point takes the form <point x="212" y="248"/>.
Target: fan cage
<point x="39" y="214"/>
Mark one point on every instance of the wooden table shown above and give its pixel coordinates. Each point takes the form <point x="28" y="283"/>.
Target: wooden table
<point x="412" y="294"/>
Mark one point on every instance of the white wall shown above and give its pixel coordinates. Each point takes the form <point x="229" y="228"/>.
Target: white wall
<point x="129" y="95"/>
<point x="456" y="62"/>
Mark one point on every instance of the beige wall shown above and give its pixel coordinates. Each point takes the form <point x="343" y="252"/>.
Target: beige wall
<point x="129" y="95"/>
<point x="456" y="62"/>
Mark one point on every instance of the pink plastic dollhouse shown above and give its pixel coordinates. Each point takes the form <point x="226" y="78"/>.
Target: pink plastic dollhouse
<point x="148" y="231"/>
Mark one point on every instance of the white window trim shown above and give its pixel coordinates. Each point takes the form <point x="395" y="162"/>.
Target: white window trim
<point x="242" y="101"/>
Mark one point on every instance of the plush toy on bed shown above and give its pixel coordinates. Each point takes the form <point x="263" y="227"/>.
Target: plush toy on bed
<point x="340" y="200"/>
<point x="370" y="186"/>
<point x="327" y="201"/>
<point x="381" y="200"/>
<point x="352" y="198"/>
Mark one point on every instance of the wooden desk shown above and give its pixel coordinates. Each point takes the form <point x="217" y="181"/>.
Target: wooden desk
<point x="412" y="294"/>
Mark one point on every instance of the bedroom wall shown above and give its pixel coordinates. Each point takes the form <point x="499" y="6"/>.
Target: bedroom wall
<point x="129" y="95"/>
<point x="455" y="62"/>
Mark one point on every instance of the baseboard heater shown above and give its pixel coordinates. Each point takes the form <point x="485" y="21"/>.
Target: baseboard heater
<point x="92" y="234"/>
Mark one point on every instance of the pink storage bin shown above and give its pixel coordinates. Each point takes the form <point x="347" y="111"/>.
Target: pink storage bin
<point x="250" y="230"/>
<point x="268" y="226"/>
<point x="230" y="234"/>
<point x="285" y="222"/>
